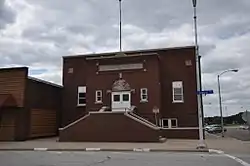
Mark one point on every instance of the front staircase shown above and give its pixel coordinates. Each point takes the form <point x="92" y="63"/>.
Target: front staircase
<point x="106" y="126"/>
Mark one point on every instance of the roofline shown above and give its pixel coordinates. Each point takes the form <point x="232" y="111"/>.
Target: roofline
<point x="45" y="82"/>
<point x="116" y="56"/>
<point x="14" y="68"/>
<point x="127" y="52"/>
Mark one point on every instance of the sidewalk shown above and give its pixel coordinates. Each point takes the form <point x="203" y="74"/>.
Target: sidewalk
<point x="229" y="145"/>
<point x="52" y="145"/>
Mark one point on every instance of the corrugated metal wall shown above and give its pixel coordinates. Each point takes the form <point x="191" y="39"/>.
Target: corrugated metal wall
<point x="43" y="123"/>
<point x="7" y="126"/>
<point x="12" y="81"/>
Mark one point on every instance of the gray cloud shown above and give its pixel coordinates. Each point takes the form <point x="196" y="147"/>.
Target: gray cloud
<point x="7" y="15"/>
<point x="45" y="30"/>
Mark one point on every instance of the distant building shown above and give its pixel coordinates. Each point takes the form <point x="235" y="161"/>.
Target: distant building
<point x="29" y="107"/>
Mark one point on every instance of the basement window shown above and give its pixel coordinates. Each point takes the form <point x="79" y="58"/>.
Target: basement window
<point x="178" y="96"/>
<point x="81" y="96"/>
<point x="169" y="123"/>
<point x="98" y="96"/>
<point x="144" y="94"/>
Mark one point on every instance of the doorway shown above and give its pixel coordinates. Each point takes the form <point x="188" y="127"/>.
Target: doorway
<point x="121" y="101"/>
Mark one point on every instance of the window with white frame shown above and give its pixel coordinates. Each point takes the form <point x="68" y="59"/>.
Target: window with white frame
<point x="81" y="101"/>
<point x="144" y="94"/>
<point x="169" y="123"/>
<point x="178" y="96"/>
<point x="98" y="96"/>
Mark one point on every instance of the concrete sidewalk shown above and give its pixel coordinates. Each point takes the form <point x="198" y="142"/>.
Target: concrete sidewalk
<point x="228" y="145"/>
<point x="53" y="145"/>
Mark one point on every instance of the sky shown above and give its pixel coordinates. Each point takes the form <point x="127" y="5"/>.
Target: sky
<point x="37" y="33"/>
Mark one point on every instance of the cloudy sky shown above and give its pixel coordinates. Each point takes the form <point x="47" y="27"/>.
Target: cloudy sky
<point x="37" y="33"/>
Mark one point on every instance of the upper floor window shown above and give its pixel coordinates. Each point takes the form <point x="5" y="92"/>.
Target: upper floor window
<point x="178" y="96"/>
<point x="81" y="96"/>
<point x="98" y="96"/>
<point x="144" y="94"/>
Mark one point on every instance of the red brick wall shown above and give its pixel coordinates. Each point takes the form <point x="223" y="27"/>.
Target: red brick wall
<point x="107" y="127"/>
<point x="137" y="79"/>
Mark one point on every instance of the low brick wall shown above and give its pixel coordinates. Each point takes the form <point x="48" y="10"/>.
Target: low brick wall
<point x="108" y="127"/>
<point x="180" y="133"/>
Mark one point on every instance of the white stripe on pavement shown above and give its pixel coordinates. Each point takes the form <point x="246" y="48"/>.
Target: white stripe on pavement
<point x="230" y="156"/>
<point x="141" y="150"/>
<point x="40" y="149"/>
<point x="93" y="149"/>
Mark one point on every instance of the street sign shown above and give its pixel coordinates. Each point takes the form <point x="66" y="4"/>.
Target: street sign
<point x="205" y="92"/>
<point x="156" y="110"/>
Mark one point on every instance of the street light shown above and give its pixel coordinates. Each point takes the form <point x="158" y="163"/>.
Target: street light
<point x="221" y="116"/>
<point x="199" y="84"/>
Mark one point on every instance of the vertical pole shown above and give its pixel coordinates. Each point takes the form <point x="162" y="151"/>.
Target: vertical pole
<point x="248" y="123"/>
<point x="120" y="25"/>
<point x="220" y="105"/>
<point x="200" y="116"/>
<point x="156" y="121"/>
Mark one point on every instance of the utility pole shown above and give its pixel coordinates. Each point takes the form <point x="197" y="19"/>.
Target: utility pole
<point x="120" y="25"/>
<point x="199" y="85"/>
<point x="220" y="102"/>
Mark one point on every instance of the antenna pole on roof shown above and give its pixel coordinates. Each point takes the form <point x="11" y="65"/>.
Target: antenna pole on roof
<point x="120" y="39"/>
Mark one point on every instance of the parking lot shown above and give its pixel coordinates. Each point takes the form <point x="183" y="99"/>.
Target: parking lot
<point x="236" y="132"/>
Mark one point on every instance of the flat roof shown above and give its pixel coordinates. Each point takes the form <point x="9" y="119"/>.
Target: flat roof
<point x="119" y="56"/>
<point x="127" y="52"/>
<point x="45" y="82"/>
<point x="13" y="68"/>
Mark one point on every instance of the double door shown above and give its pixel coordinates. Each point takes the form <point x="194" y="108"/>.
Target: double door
<point x="121" y="101"/>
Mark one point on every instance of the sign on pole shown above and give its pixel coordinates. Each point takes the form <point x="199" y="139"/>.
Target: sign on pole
<point x="205" y="92"/>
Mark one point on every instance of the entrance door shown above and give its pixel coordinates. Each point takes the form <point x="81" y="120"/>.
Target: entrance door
<point x="121" y="101"/>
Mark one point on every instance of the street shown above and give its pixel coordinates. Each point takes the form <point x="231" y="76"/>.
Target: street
<point x="237" y="133"/>
<point x="38" y="158"/>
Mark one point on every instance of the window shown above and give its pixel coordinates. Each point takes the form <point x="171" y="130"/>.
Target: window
<point x="178" y="92"/>
<point x="169" y="123"/>
<point x="165" y="123"/>
<point x="144" y="94"/>
<point x="173" y="123"/>
<point x="81" y="96"/>
<point x="125" y="97"/>
<point x="98" y="96"/>
<point x="116" y="98"/>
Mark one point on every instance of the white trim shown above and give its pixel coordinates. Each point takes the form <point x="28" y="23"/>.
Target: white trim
<point x="121" y="67"/>
<point x="73" y="123"/>
<point x="169" y="120"/>
<point x="181" y="128"/>
<point x="141" y="95"/>
<point x="141" y="121"/>
<point x="105" y="112"/>
<point x="179" y="85"/>
<point x="81" y="89"/>
<point x="81" y="105"/>
<point x="96" y="96"/>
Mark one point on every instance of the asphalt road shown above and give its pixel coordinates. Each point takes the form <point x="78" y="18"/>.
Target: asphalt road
<point x="237" y="133"/>
<point x="116" y="159"/>
<point x="233" y="132"/>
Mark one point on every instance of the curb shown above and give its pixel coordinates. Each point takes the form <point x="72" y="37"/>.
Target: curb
<point x="106" y="150"/>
